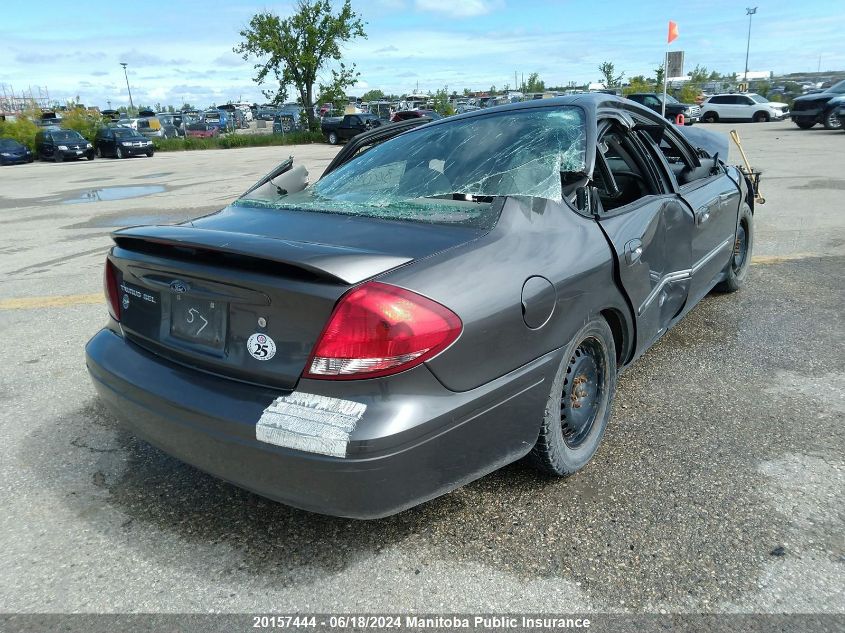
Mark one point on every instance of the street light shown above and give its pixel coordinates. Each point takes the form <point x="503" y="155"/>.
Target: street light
<point x="132" y="105"/>
<point x="749" y="12"/>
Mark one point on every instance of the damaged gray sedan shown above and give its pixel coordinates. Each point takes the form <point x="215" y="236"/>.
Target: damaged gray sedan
<point x="448" y="298"/>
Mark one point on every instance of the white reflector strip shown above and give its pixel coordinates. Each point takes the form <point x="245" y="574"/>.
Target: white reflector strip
<point x="309" y="422"/>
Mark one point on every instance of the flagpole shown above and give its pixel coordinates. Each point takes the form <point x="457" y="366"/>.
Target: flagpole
<point x="665" y="77"/>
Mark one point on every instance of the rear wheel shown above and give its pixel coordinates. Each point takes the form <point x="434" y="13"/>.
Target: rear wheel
<point x="579" y="403"/>
<point x="760" y="117"/>
<point x="99" y="152"/>
<point x="805" y="123"/>
<point x="737" y="269"/>
<point x="710" y="117"/>
<point x="333" y="138"/>
<point x="831" y="120"/>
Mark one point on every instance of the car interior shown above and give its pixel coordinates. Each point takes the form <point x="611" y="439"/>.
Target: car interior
<point x="619" y="177"/>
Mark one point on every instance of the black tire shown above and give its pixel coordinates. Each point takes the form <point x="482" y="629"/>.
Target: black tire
<point x="830" y="120"/>
<point x="760" y="117"/>
<point x="58" y="158"/>
<point x="710" y="117"/>
<point x="118" y="153"/>
<point x="579" y="403"/>
<point x="150" y="153"/>
<point x="99" y="152"/>
<point x="737" y="268"/>
<point x="333" y="138"/>
<point x="805" y="123"/>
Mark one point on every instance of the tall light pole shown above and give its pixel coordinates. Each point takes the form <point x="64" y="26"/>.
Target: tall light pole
<point x="749" y="12"/>
<point x="132" y="105"/>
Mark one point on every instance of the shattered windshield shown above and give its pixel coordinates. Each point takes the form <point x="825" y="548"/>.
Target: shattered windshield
<point x="450" y="172"/>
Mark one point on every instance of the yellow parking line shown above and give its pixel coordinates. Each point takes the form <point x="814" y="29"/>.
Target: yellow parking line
<point x="61" y="301"/>
<point x="779" y="259"/>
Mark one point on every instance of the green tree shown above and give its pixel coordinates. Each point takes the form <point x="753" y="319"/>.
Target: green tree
<point x="762" y="88"/>
<point x="659" y="74"/>
<point x="534" y="84"/>
<point x="699" y="75"/>
<point x="373" y="95"/>
<point x="441" y="102"/>
<point x="638" y="84"/>
<point x="608" y="75"/>
<point x="295" y="50"/>
<point x="335" y="95"/>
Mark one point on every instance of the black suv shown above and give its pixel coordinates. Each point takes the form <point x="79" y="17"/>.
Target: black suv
<point x="815" y="108"/>
<point x="674" y="107"/>
<point x="122" y="142"/>
<point x="57" y="144"/>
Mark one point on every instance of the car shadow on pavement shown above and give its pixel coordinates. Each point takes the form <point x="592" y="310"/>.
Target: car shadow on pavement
<point x="676" y="507"/>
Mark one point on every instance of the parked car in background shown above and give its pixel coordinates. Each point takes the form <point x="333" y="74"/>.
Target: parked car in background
<point x="815" y="108"/>
<point x="267" y="113"/>
<point x="12" y="152"/>
<point x="236" y="115"/>
<point x="404" y="115"/>
<point x="839" y="107"/>
<point x="150" y="127"/>
<point x="322" y="344"/>
<point x="221" y="119"/>
<point x="111" y="115"/>
<point x="56" y="144"/>
<point x="654" y="101"/>
<point x="742" y="107"/>
<point x="286" y="122"/>
<point x="171" y="124"/>
<point x="122" y="142"/>
<point x="201" y="129"/>
<point x="337" y="129"/>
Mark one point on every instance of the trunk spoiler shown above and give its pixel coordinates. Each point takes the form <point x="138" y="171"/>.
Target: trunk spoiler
<point x="337" y="263"/>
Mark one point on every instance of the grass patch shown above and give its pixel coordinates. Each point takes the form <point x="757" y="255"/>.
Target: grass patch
<point x="236" y="140"/>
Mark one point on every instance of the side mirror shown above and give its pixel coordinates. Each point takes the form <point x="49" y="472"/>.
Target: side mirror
<point x="582" y="200"/>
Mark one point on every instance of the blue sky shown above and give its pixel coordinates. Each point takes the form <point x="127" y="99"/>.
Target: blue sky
<point x="182" y="50"/>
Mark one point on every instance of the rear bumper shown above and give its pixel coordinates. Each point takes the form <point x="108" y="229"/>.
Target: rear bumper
<point x="416" y="440"/>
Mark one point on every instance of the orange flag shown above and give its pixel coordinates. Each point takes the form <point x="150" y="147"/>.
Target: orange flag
<point x="673" y="31"/>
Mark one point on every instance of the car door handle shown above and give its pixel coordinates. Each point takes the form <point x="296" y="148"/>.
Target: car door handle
<point x="724" y="197"/>
<point x="702" y="215"/>
<point x="633" y="251"/>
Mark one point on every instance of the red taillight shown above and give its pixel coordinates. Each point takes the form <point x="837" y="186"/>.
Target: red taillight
<point x="377" y="330"/>
<point x="110" y="284"/>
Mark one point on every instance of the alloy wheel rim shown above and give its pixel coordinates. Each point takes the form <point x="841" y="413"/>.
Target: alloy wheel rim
<point x="583" y="392"/>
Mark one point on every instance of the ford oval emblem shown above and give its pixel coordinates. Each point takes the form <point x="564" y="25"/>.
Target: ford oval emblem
<point x="179" y="286"/>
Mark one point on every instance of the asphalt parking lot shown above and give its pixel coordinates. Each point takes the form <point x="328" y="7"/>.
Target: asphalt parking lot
<point x="718" y="487"/>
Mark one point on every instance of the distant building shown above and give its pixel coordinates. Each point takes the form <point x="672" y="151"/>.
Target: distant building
<point x="754" y="74"/>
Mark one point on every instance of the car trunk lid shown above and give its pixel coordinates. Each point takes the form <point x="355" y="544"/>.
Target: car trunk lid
<point x="245" y="293"/>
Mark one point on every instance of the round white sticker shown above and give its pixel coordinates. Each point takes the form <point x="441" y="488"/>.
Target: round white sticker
<point x="261" y="346"/>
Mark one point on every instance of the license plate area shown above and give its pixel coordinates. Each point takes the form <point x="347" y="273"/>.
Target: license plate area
<point x="198" y="322"/>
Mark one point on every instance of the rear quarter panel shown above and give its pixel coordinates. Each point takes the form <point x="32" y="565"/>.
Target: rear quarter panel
<point x="482" y="281"/>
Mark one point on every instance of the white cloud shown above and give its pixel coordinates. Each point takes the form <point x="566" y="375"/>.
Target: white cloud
<point x="459" y="8"/>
